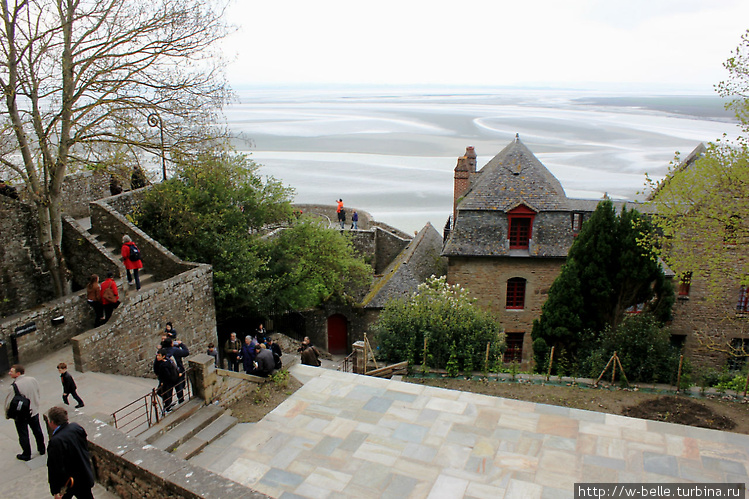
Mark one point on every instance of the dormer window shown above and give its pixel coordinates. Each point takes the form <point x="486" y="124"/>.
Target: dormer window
<point x="520" y="222"/>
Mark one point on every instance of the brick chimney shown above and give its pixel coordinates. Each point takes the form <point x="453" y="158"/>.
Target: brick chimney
<point x="464" y="171"/>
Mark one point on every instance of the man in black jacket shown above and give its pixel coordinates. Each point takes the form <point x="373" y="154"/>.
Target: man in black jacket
<point x="168" y="376"/>
<point x="68" y="457"/>
<point x="177" y="351"/>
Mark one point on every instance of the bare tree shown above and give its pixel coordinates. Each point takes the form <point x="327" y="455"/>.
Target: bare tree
<point x="79" y="79"/>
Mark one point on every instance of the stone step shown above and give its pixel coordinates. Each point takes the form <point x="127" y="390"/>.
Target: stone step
<point x="178" y="415"/>
<point x="188" y="428"/>
<point x="207" y="435"/>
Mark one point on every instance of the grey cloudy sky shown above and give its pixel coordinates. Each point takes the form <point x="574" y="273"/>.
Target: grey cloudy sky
<point x="665" y="44"/>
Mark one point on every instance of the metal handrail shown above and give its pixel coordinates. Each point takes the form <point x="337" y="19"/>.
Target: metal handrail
<point x="347" y="366"/>
<point x="146" y="410"/>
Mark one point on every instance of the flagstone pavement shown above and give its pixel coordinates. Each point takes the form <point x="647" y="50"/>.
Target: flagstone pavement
<point x="344" y="435"/>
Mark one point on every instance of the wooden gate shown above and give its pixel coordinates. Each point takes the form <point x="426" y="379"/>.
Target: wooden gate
<point x="337" y="334"/>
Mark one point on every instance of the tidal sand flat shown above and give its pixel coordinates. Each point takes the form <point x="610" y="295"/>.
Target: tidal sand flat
<point x="392" y="152"/>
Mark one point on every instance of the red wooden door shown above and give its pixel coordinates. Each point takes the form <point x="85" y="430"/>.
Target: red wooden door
<point x="337" y="334"/>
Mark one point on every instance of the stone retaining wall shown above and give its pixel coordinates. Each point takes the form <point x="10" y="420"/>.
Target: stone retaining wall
<point x="85" y="255"/>
<point x="24" y="279"/>
<point x="128" y="342"/>
<point x="132" y="470"/>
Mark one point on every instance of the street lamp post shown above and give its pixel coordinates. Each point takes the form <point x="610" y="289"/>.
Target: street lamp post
<point x="154" y="120"/>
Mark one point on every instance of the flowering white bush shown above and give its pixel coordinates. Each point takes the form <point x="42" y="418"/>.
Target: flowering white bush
<point x="439" y="314"/>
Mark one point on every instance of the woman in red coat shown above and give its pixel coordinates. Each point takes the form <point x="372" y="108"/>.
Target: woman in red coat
<point x="110" y="297"/>
<point x="131" y="258"/>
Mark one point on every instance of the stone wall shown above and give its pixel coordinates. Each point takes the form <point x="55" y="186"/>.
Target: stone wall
<point x="24" y="280"/>
<point x="486" y="279"/>
<point x="79" y="189"/>
<point x="48" y="337"/>
<point x="131" y="470"/>
<point x="85" y="255"/>
<point x="128" y="342"/>
<point x="700" y="317"/>
<point x="110" y="225"/>
<point x="388" y="245"/>
<point x="358" y="320"/>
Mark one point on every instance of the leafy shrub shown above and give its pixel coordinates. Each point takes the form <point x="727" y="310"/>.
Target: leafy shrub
<point x="439" y="314"/>
<point x="644" y="349"/>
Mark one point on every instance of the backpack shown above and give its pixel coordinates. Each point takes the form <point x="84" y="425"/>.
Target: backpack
<point x="171" y="371"/>
<point x="108" y="295"/>
<point x="134" y="253"/>
<point x="20" y="406"/>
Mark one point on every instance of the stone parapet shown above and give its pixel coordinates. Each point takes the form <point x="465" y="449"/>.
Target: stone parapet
<point x="130" y="469"/>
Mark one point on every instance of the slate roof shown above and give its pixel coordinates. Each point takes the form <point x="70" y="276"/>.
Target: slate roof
<point x="512" y="177"/>
<point x="419" y="260"/>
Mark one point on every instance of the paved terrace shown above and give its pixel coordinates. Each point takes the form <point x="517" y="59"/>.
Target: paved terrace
<point x="343" y="435"/>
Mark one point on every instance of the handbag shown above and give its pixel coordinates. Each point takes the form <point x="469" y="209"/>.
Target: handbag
<point x="20" y="406"/>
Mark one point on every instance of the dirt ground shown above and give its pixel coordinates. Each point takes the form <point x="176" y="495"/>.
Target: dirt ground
<point x="264" y="399"/>
<point x="714" y="413"/>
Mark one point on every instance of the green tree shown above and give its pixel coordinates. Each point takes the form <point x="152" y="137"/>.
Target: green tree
<point x="309" y="264"/>
<point x="441" y="314"/>
<point x="78" y="76"/>
<point x="218" y="210"/>
<point x="702" y="204"/>
<point x="210" y="212"/>
<point x="607" y="271"/>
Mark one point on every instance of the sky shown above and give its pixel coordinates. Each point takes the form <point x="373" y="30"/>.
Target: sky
<point x="669" y="45"/>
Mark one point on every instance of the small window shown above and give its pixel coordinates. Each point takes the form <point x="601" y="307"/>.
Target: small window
<point x="684" y="284"/>
<point x="731" y="234"/>
<point x="739" y="354"/>
<point x="636" y="309"/>
<point x="577" y="222"/>
<point x="516" y="293"/>
<point x="742" y="306"/>
<point x="514" y="352"/>
<point x="678" y="341"/>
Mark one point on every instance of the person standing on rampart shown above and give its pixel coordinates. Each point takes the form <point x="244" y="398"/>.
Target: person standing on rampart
<point x="131" y="259"/>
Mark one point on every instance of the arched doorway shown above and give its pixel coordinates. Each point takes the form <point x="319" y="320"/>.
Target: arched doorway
<point x="337" y="334"/>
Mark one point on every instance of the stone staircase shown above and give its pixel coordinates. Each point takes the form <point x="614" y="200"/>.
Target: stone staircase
<point x="145" y="277"/>
<point x="189" y="428"/>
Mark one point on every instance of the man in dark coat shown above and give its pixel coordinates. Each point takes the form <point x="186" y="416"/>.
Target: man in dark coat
<point x="168" y="376"/>
<point x="68" y="457"/>
<point x="178" y="351"/>
<point x="264" y="360"/>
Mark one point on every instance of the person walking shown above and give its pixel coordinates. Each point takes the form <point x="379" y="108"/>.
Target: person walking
<point x="93" y="297"/>
<point x="69" y="461"/>
<point x="354" y="220"/>
<point x="110" y="297"/>
<point x="68" y="385"/>
<point x="131" y="259"/>
<point x="29" y="388"/>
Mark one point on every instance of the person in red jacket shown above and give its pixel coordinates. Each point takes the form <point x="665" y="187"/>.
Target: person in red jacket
<point x="131" y="258"/>
<point x="110" y="298"/>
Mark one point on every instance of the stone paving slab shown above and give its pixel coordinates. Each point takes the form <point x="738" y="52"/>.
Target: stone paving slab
<point x="102" y="394"/>
<point x="347" y="436"/>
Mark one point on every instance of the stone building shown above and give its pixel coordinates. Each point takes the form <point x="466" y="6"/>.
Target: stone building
<point x="707" y="324"/>
<point x="509" y="235"/>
